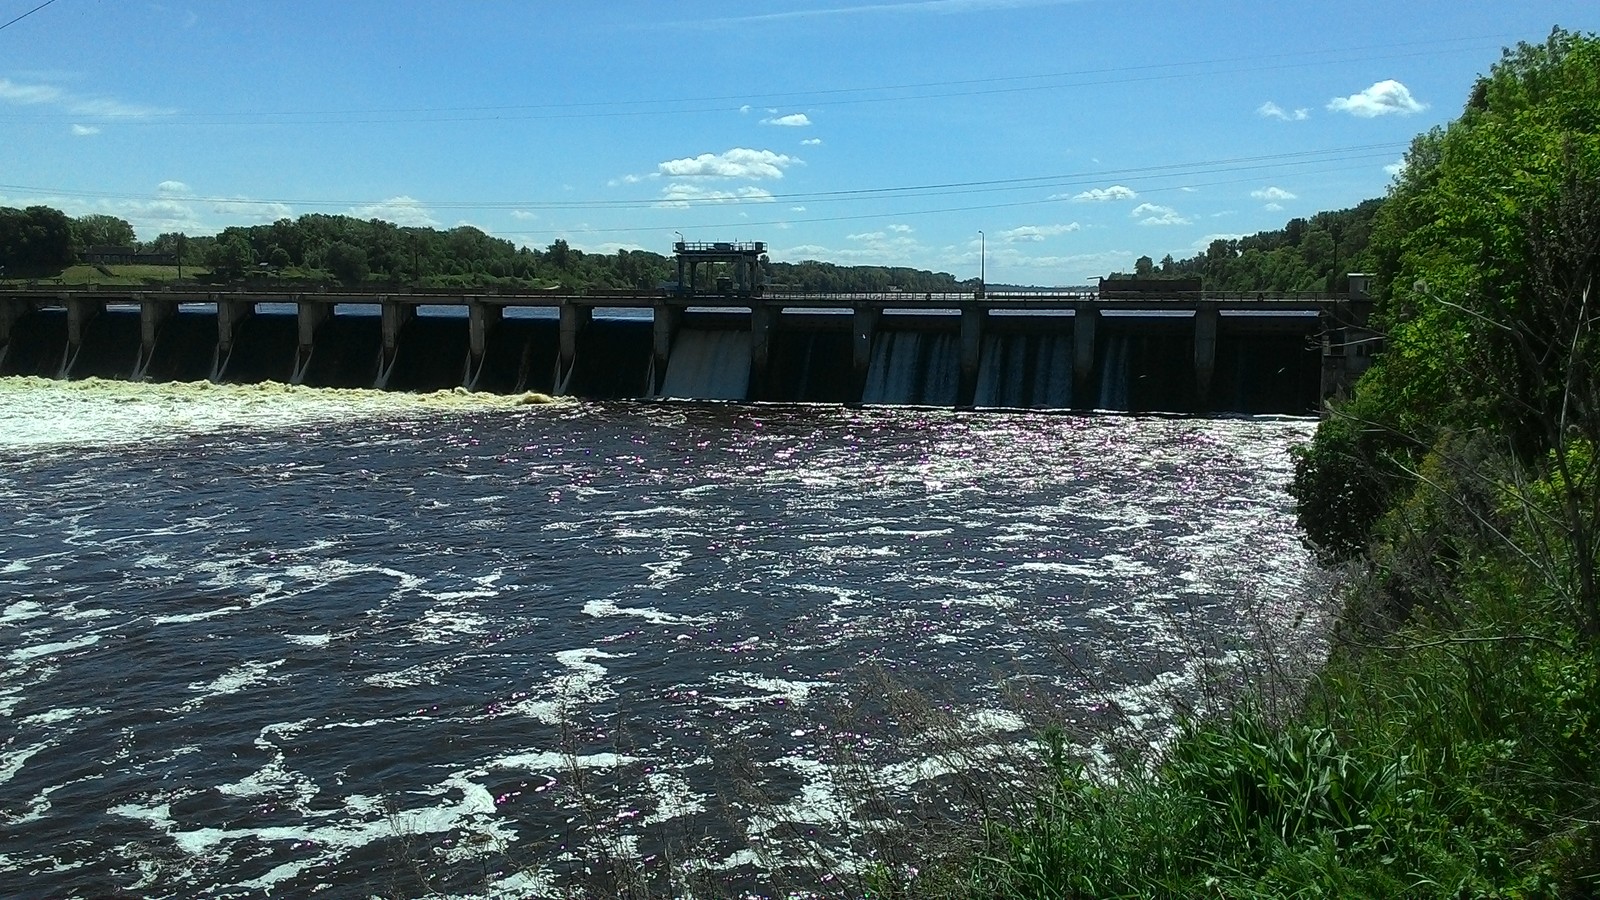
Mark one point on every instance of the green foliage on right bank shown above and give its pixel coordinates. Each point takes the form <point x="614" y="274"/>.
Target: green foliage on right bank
<point x="1450" y="747"/>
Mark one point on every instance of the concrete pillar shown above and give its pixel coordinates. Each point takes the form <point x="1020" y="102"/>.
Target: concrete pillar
<point x="11" y="312"/>
<point x="310" y="316"/>
<point x="395" y="317"/>
<point x="80" y="311"/>
<point x="972" y="322"/>
<point x="764" y="318"/>
<point x="667" y="320"/>
<point x="1205" y="354"/>
<point x="574" y="319"/>
<point x="153" y="314"/>
<point x="863" y="327"/>
<point x="482" y="320"/>
<point x="230" y="315"/>
<point x="1085" y="322"/>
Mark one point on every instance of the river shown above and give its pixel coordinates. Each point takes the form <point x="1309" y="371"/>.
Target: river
<point x="269" y="640"/>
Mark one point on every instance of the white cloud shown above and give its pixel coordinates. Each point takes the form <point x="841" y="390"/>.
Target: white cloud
<point x="740" y="162"/>
<point x="172" y="188"/>
<point x="1157" y="215"/>
<point x="1382" y="99"/>
<point x="1103" y="195"/>
<point x="33" y="94"/>
<point x="682" y="194"/>
<point x="399" y="210"/>
<point x="797" y="209"/>
<point x="792" y="120"/>
<point x="523" y="215"/>
<point x="1274" y="194"/>
<point x="871" y="248"/>
<point x="1204" y="243"/>
<point x="1273" y="207"/>
<point x="1395" y="168"/>
<point x="84" y="130"/>
<point x="744" y="110"/>
<point x="811" y="142"/>
<point x="1270" y="110"/>
<point x="151" y="217"/>
<point x="12" y="92"/>
<point x="1035" y="233"/>
<point x="243" y="208"/>
<point x="901" y="229"/>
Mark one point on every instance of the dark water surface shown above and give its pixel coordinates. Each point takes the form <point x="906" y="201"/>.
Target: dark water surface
<point x="262" y="642"/>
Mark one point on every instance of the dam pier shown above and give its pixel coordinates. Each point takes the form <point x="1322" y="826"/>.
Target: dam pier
<point x="1137" y="346"/>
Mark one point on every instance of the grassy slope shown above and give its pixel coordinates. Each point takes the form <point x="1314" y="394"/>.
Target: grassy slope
<point x="117" y="275"/>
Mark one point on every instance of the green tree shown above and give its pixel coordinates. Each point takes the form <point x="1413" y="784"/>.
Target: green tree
<point x="231" y="256"/>
<point x="1454" y="247"/>
<point x="347" y="262"/>
<point x="100" y="231"/>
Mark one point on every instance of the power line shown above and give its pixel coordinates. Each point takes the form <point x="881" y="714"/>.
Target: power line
<point x="26" y="14"/>
<point x="1034" y="182"/>
<point x="815" y="220"/>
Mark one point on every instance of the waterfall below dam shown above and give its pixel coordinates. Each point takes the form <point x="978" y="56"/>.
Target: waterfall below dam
<point x="1136" y="365"/>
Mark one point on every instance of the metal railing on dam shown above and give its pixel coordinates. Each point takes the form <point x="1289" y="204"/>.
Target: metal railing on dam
<point x="1062" y="347"/>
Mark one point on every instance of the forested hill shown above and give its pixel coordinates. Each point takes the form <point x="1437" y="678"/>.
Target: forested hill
<point x="39" y="242"/>
<point x="1304" y="255"/>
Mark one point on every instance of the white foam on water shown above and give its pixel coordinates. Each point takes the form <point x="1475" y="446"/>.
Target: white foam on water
<point x="309" y="640"/>
<point x="57" y="716"/>
<point x="550" y="762"/>
<point x="415" y="676"/>
<point x="584" y="684"/>
<point x="24" y="654"/>
<point x="443" y="626"/>
<point x="12" y="695"/>
<point x="467" y="810"/>
<point x="819" y="801"/>
<point x="39" y="413"/>
<point x="71" y="613"/>
<point x="15" y="567"/>
<point x="674" y="798"/>
<point x="600" y="609"/>
<point x="186" y="618"/>
<point x="773" y="689"/>
<point x="239" y="678"/>
<point x="21" y="611"/>
<point x="274" y="780"/>
<point x="11" y="761"/>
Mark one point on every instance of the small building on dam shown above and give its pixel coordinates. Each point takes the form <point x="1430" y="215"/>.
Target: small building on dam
<point x="1139" y="347"/>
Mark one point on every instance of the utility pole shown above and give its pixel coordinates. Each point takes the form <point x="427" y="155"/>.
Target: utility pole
<point x="983" y="263"/>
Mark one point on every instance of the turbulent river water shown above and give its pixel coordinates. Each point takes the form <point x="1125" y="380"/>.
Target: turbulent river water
<point x="268" y="640"/>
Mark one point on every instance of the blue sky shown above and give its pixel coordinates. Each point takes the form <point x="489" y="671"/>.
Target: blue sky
<point x="1075" y="134"/>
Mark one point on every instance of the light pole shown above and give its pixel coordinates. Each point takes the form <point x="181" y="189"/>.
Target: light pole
<point x="983" y="263"/>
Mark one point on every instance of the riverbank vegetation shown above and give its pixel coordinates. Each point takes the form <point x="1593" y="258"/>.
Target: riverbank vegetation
<point x="1451" y="745"/>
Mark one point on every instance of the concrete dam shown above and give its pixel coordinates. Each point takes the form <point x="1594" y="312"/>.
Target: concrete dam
<point x="1136" y="350"/>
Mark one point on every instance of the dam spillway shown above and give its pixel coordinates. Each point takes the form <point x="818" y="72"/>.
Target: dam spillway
<point x="1017" y="349"/>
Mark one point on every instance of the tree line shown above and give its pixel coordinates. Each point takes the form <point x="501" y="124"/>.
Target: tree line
<point x="1314" y="254"/>
<point x="40" y="241"/>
